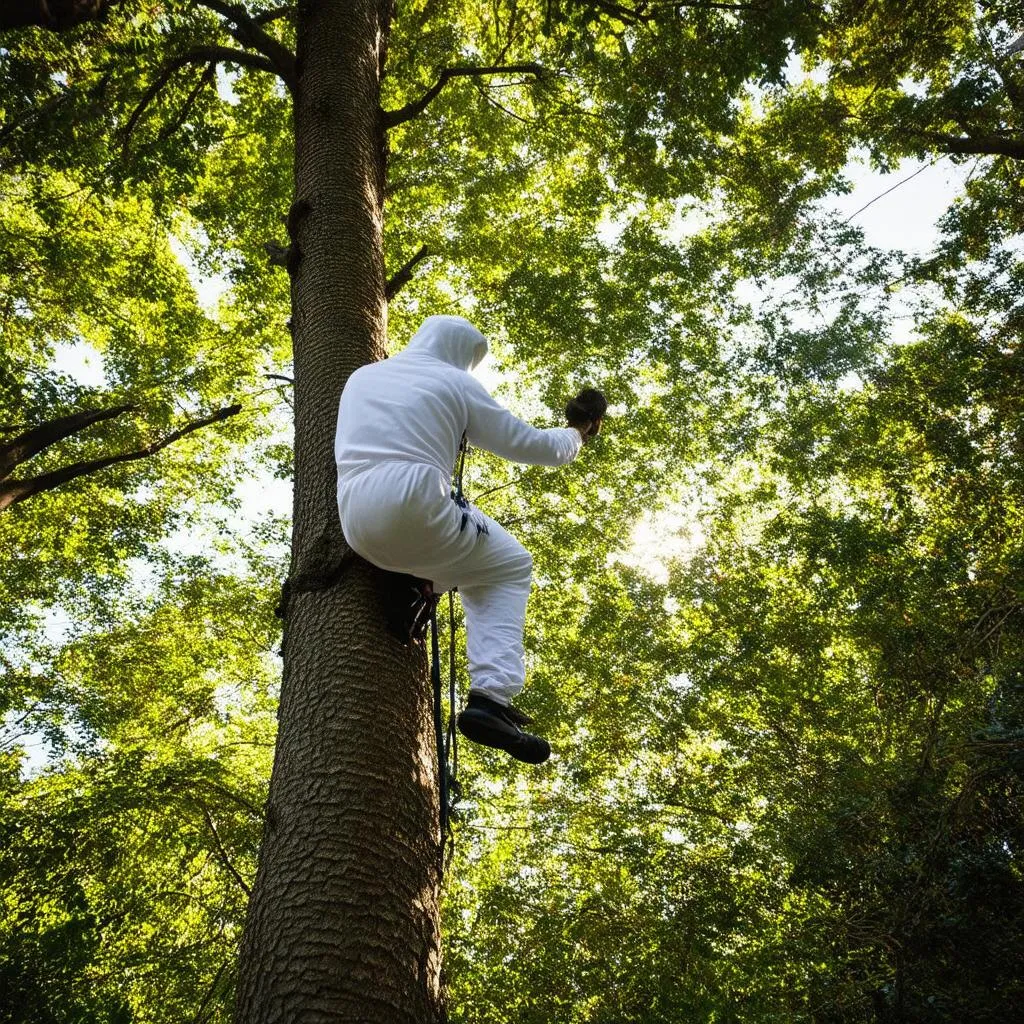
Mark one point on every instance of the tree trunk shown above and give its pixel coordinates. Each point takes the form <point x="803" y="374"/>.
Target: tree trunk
<point x="343" y="919"/>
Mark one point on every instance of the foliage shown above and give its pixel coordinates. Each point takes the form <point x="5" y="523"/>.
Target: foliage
<point x="788" y="782"/>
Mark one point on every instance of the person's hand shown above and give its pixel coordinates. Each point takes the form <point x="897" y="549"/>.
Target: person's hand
<point x="586" y="411"/>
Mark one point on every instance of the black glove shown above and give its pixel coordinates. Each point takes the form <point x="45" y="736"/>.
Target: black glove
<point x="586" y="411"/>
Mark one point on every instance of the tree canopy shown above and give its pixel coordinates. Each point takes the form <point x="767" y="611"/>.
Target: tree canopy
<point x="788" y="729"/>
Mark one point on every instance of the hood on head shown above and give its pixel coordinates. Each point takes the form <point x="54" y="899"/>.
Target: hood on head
<point x="452" y="339"/>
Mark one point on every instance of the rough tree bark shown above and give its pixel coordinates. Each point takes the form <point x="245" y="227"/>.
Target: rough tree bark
<point x="343" y="919"/>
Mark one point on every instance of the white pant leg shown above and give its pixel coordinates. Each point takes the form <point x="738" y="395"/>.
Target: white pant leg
<point x="400" y="517"/>
<point x="494" y="581"/>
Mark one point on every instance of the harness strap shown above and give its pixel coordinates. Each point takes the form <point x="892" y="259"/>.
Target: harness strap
<point x="460" y="466"/>
<point x="447" y="742"/>
<point x="447" y="739"/>
<point x="459" y="498"/>
<point x="442" y="760"/>
<point x="451" y="747"/>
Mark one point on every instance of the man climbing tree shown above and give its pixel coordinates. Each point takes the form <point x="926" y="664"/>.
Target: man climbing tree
<point x="399" y="428"/>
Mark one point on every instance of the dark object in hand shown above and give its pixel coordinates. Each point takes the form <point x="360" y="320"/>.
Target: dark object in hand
<point x="587" y="410"/>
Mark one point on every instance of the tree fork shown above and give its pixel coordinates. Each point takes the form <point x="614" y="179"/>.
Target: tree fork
<point x="343" y="919"/>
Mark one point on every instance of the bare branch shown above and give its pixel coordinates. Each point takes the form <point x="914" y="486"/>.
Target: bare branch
<point x="224" y="854"/>
<point x="982" y="145"/>
<point x="200" y="55"/>
<point x="491" y="101"/>
<point x="266" y="17"/>
<point x="205" y="79"/>
<point x="13" y="491"/>
<point x="404" y="275"/>
<point x="37" y="439"/>
<point x="416" y="107"/>
<point x="249" y="33"/>
<point x="231" y="795"/>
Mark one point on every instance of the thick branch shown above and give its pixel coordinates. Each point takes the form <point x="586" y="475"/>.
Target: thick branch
<point x="415" y="108"/>
<point x="266" y="17"/>
<point x="46" y="107"/>
<point x="980" y="145"/>
<point x="647" y="12"/>
<point x="1003" y="66"/>
<point x="200" y="55"/>
<point x="55" y="15"/>
<point x="205" y="79"/>
<point x="32" y="442"/>
<point x="403" y="276"/>
<point x="248" y="32"/>
<point x="13" y="491"/>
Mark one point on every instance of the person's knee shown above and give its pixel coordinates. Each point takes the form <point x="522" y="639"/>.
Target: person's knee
<point x="524" y="564"/>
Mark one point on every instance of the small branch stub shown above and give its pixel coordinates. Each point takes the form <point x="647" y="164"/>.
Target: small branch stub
<point x="404" y="275"/>
<point x="277" y="254"/>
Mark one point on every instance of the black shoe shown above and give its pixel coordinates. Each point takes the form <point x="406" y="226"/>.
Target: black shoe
<point x="494" y="725"/>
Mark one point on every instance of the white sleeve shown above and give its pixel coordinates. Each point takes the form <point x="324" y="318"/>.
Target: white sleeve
<point x="495" y="429"/>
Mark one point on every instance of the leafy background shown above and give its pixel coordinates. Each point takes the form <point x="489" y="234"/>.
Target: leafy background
<point x="775" y="637"/>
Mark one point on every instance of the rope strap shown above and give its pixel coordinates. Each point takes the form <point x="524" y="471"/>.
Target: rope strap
<point x="435" y="676"/>
<point x="447" y="744"/>
<point x="447" y="738"/>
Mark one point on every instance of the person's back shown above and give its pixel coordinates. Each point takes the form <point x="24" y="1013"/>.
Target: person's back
<point x="412" y="407"/>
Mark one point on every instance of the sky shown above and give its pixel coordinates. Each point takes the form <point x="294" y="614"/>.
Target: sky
<point x="895" y="211"/>
<point x="905" y="217"/>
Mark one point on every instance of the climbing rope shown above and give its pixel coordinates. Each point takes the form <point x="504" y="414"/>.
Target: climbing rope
<point x="451" y="747"/>
<point x="447" y="738"/>
<point x="460" y="468"/>
<point x="439" y="731"/>
<point x="468" y="512"/>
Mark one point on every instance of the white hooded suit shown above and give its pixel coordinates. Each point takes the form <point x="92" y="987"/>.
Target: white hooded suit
<point x="399" y="427"/>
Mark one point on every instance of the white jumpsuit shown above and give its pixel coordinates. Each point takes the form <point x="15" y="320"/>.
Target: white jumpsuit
<point x="399" y="426"/>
